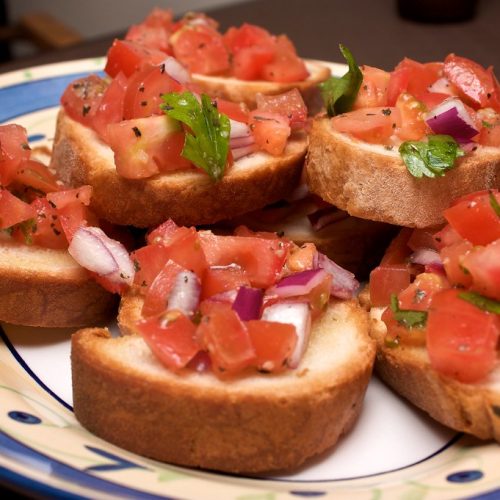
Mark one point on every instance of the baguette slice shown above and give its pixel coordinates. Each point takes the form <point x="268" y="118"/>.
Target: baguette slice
<point x="245" y="91"/>
<point x="253" y="423"/>
<point x="188" y="197"/>
<point x="46" y="288"/>
<point x="470" y="408"/>
<point x="371" y="182"/>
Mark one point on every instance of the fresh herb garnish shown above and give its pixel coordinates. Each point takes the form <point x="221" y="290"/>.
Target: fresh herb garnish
<point x="207" y="143"/>
<point x="494" y="204"/>
<point x="432" y="158"/>
<point x="339" y="94"/>
<point x="478" y="300"/>
<point x="407" y="317"/>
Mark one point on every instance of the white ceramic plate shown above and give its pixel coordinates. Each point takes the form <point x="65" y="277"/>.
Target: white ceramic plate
<point x="394" y="451"/>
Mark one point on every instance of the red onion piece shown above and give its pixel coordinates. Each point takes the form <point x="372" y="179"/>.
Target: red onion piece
<point x="298" y="283"/>
<point x="175" y="70"/>
<point x="451" y="118"/>
<point x="240" y="142"/>
<point x="344" y="284"/>
<point x="201" y="362"/>
<point x="185" y="294"/>
<point x="95" y="251"/>
<point x="247" y="303"/>
<point x="298" y="315"/>
<point x="241" y="152"/>
<point x="426" y="256"/>
<point x="239" y="129"/>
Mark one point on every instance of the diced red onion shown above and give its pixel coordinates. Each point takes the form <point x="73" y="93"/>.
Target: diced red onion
<point x="344" y="284"/>
<point x="247" y="303"/>
<point x="451" y="118"/>
<point x="298" y="315"/>
<point x="325" y="216"/>
<point x="241" y="152"/>
<point x="298" y="283"/>
<point x="239" y="129"/>
<point x="95" y="251"/>
<point x="175" y="70"/>
<point x="185" y="294"/>
<point x="426" y="256"/>
<point x="441" y="86"/>
<point x="240" y="142"/>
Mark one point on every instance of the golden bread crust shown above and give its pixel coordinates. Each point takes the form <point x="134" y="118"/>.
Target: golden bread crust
<point x="372" y="183"/>
<point x="245" y="91"/>
<point x="470" y="408"/>
<point x="188" y="197"/>
<point x="252" y="423"/>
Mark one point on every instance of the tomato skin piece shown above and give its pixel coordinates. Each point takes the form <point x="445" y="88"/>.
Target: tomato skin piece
<point x="171" y="337"/>
<point x="374" y="125"/>
<point x="226" y="338"/>
<point x="222" y="279"/>
<point x="289" y="104"/>
<point x="385" y="280"/>
<point x="13" y="210"/>
<point x="474" y="218"/>
<point x="163" y="233"/>
<point x="483" y="264"/>
<point x="14" y="149"/>
<point x="273" y="344"/>
<point x="36" y="175"/>
<point x="461" y="338"/>
<point x="453" y="256"/>
<point x="475" y="84"/>
<point x="127" y="57"/>
<point x="373" y="90"/>
<point x="148" y="262"/>
<point x="236" y="111"/>
<point x="270" y="131"/>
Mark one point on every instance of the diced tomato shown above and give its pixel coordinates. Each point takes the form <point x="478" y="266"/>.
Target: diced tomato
<point x="82" y="98"/>
<point x="65" y="197"/>
<point x="273" y="343"/>
<point x="412" y="111"/>
<point x="422" y="238"/>
<point x="110" y="108"/>
<point x="155" y="301"/>
<point x="286" y="66"/>
<point x="225" y="337"/>
<point x="201" y="49"/>
<point x="14" y="149"/>
<point x="144" y="146"/>
<point x="375" y="125"/>
<point x="148" y="262"/>
<point x="373" y="90"/>
<point x="127" y="57"/>
<point x="245" y="231"/>
<point x="453" y="256"/>
<point x="163" y="233"/>
<point x="399" y="334"/>
<point x="461" y="338"/>
<point x="236" y="111"/>
<point x="145" y="88"/>
<point x="398" y="250"/>
<point x="475" y="219"/>
<point x="270" y="131"/>
<point x="36" y="175"/>
<point x="386" y="280"/>
<point x="152" y="37"/>
<point x="13" y="210"/>
<point x="419" y="294"/>
<point x="247" y="35"/>
<point x="261" y="259"/>
<point x="447" y="236"/>
<point x="248" y="63"/>
<point x="490" y="135"/>
<point x="319" y="296"/>
<point x="432" y="99"/>
<point x="483" y="264"/>
<point x="475" y="84"/>
<point x="222" y="279"/>
<point x="412" y="77"/>
<point x="289" y="104"/>
<point x="171" y="337"/>
<point x="160" y="18"/>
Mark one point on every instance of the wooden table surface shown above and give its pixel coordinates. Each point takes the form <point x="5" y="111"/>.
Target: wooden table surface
<point x="372" y="29"/>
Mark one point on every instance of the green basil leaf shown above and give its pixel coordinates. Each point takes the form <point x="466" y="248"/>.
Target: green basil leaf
<point x="207" y="145"/>
<point x="478" y="300"/>
<point x="494" y="204"/>
<point x="407" y="317"/>
<point x="431" y="158"/>
<point x="339" y="94"/>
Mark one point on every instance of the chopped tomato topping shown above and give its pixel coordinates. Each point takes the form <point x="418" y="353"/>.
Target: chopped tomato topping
<point x="373" y="90"/>
<point x="270" y="131"/>
<point x="14" y="149"/>
<point x="13" y="210"/>
<point x="387" y="279"/>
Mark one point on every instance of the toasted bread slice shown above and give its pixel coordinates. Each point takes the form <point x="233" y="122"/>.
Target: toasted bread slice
<point x="253" y="423"/>
<point x="471" y="408"/>
<point x="47" y="288"/>
<point x="188" y="197"/>
<point x="370" y="182"/>
<point x="245" y="91"/>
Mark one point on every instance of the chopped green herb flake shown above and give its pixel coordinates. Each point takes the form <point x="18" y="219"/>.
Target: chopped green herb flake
<point x="487" y="124"/>
<point x="432" y="158"/>
<point x="494" y="203"/>
<point x="339" y="94"/>
<point x="407" y="317"/>
<point x="480" y="301"/>
<point x="207" y="145"/>
<point x="386" y="112"/>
